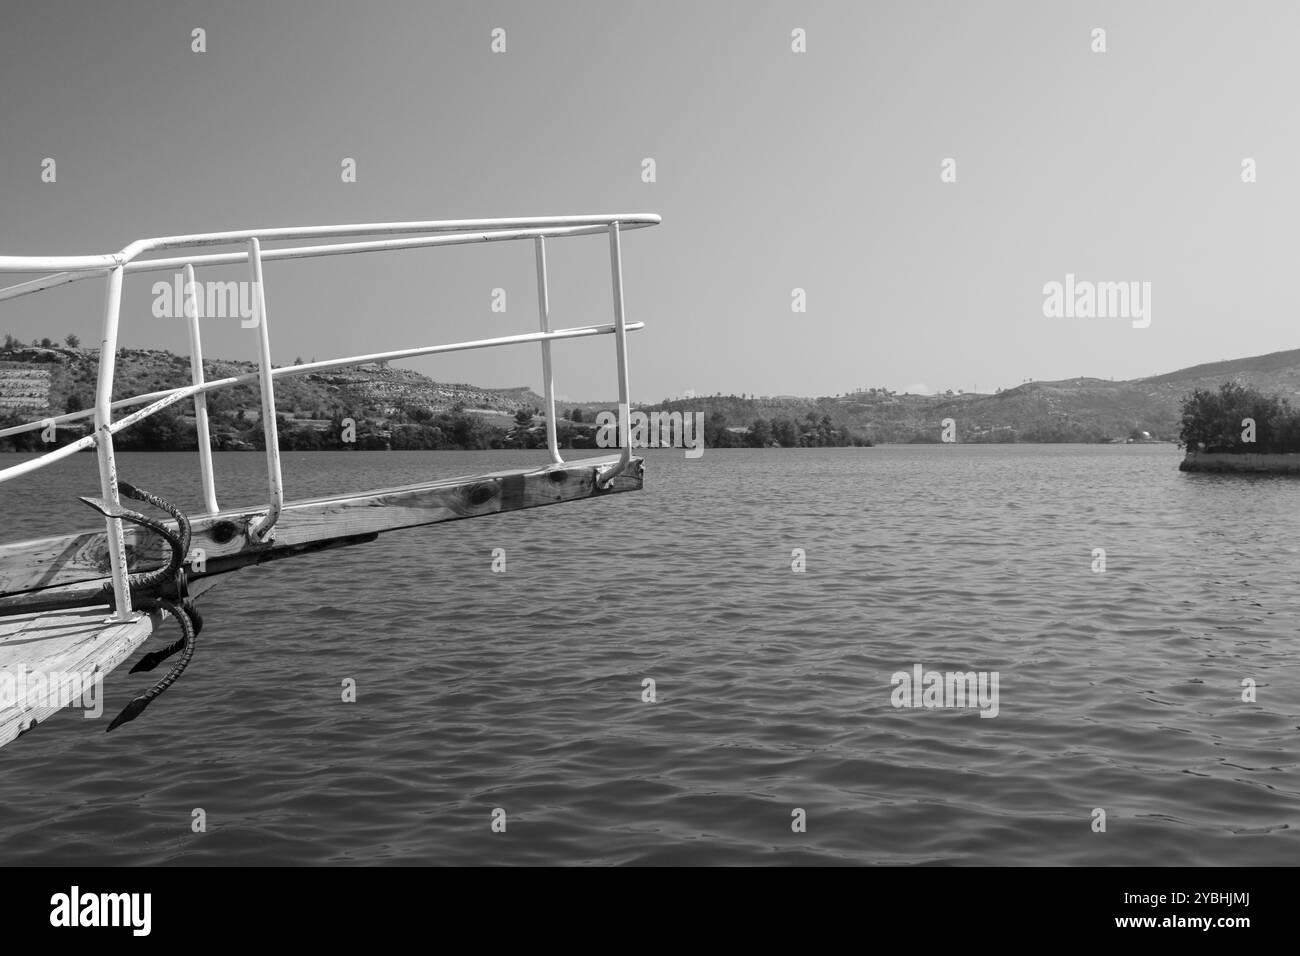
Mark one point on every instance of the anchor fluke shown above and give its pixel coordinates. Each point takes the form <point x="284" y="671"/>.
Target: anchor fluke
<point x="130" y="712"/>
<point x="153" y="659"/>
<point x="106" y="507"/>
<point x="148" y="586"/>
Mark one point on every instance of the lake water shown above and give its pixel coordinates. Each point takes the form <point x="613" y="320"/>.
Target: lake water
<point x="522" y="690"/>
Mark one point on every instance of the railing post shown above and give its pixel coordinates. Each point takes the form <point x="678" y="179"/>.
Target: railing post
<point x="270" y="430"/>
<point x="104" y="444"/>
<point x="620" y="346"/>
<point x="201" y="399"/>
<point x="548" y="379"/>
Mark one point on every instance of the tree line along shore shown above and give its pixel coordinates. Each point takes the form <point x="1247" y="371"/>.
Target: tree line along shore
<point x="378" y="407"/>
<point x="373" y="407"/>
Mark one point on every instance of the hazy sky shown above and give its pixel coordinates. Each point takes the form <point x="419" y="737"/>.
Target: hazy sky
<point x="775" y="170"/>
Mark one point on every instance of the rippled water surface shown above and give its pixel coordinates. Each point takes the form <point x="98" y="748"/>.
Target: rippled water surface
<point x="522" y="690"/>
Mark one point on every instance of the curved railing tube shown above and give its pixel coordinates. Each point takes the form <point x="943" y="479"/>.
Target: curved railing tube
<point x="396" y="236"/>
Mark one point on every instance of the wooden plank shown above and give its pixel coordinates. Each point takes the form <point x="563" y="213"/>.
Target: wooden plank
<point x="309" y="525"/>
<point x="48" y="660"/>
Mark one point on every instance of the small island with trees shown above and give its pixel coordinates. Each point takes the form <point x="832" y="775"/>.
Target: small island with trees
<point x="1239" y="429"/>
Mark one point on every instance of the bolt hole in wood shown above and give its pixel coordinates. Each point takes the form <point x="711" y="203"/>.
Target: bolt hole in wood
<point x="481" y="494"/>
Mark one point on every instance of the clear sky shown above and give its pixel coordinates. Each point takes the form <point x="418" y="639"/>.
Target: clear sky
<point x="775" y="170"/>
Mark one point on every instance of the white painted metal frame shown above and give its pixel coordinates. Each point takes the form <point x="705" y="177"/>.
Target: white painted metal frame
<point x="66" y="269"/>
<point x="548" y="380"/>
<point x="270" y="426"/>
<point x="202" y="434"/>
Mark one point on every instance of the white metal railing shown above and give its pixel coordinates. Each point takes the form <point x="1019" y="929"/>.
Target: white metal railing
<point x="116" y="266"/>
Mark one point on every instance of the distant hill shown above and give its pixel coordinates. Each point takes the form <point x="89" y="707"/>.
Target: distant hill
<point x="59" y="379"/>
<point x="38" y="381"/>
<point x="1074" y="410"/>
<point x="392" y="407"/>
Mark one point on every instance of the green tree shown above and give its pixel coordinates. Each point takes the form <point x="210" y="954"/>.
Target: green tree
<point x="78" y="400"/>
<point x="164" y="430"/>
<point x="785" y="432"/>
<point x="1213" y="421"/>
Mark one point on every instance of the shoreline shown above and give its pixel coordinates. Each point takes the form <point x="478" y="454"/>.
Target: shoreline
<point x="895" y="444"/>
<point x="1278" y="463"/>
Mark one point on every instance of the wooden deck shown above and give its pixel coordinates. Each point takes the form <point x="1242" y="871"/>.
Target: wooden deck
<point x="48" y="660"/>
<point x="304" y="526"/>
<point x="68" y="646"/>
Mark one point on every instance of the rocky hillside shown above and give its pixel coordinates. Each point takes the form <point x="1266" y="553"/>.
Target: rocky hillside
<point x="53" y="380"/>
<point x="23" y="386"/>
<point x="369" y="407"/>
<point x="1076" y="410"/>
<point x="38" y="381"/>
